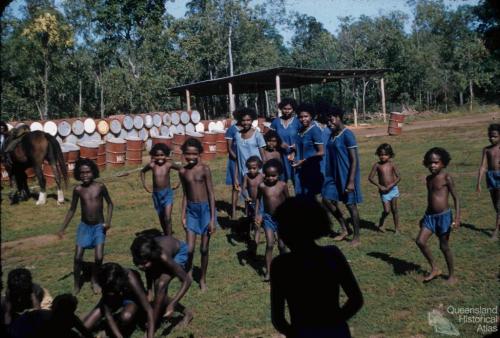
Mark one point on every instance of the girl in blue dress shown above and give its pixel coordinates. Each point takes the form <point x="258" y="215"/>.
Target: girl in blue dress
<point x="308" y="151"/>
<point x="287" y="126"/>
<point x="231" y="147"/>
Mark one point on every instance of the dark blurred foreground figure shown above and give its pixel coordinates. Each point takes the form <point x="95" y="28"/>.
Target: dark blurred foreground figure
<point x="309" y="277"/>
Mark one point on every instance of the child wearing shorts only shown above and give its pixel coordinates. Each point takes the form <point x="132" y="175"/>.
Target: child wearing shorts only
<point x="163" y="194"/>
<point x="251" y="182"/>
<point x="92" y="228"/>
<point x="438" y="218"/>
<point x="490" y="164"/>
<point x="198" y="204"/>
<point x="387" y="184"/>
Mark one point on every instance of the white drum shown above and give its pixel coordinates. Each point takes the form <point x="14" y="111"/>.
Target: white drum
<point x="133" y="133"/>
<point x="200" y="127"/>
<point x="154" y="132"/>
<point x="77" y="127"/>
<point x="128" y="122"/>
<point x="175" y="118"/>
<point x="164" y="131"/>
<point x="173" y="130"/>
<point x="63" y="128"/>
<point x="157" y="120"/>
<point x="190" y="128"/>
<point x="122" y="134"/>
<point x="143" y="134"/>
<point x="89" y="125"/>
<point x="50" y="128"/>
<point x="184" y="117"/>
<point x="195" y="116"/>
<point x="181" y="129"/>
<point x="103" y="127"/>
<point x="73" y="139"/>
<point x="95" y="136"/>
<point x="138" y="122"/>
<point x="219" y="126"/>
<point x="149" y="144"/>
<point x="115" y="126"/>
<point x="38" y="126"/>
<point x="212" y="126"/>
<point x="148" y="121"/>
<point x="167" y="119"/>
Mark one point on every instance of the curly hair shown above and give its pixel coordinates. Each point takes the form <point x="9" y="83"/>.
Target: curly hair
<point x="112" y="278"/>
<point x="20" y="286"/>
<point x="494" y="127"/>
<point x="441" y="152"/>
<point x="254" y="159"/>
<point x="160" y="146"/>
<point x="273" y="163"/>
<point x="307" y="107"/>
<point x="385" y="147"/>
<point x="145" y="248"/>
<point x="273" y="134"/>
<point x="242" y="112"/>
<point x="88" y="162"/>
<point x="288" y="101"/>
<point x="192" y="142"/>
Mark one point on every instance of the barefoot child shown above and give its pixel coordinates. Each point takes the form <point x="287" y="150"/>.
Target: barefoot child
<point x="490" y="163"/>
<point x="123" y="297"/>
<point x="251" y="182"/>
<point x="92" y="229"/>
<point x="162" y="258"/>
<point x="388" y="179"/>
<point x="198" y="204"/>
<point x="438" y="217"/>
<point x="163" y="195"/>
<point x="272" y="192"/>
<point x="273" y="146"/>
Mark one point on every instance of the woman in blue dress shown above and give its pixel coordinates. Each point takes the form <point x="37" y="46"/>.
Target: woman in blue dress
<point x="231" y="147"/>
<point x="308" y="151"/>
<point x="287" y="126"/>
<point x="247" y="141"/>
<point x="342" y="174"/>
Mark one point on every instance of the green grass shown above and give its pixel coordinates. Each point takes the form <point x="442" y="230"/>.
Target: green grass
<point x="388" y="267"/>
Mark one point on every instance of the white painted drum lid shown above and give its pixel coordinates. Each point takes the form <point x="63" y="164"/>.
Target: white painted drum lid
<point x="123" y="133"/>
<point x="73" y="139"/>
<point x="108" y="136"/>
<point x="67" y="147"/>
<point x="89" y="144"/>
<point x="89" y="125"/>
<point x="195" y="116"/>
<point x="190" y="128"/>
<point x="173" y="130"/>
<point x="85" y="137"/>
<point x="102" y="127"/>
<point x="154" y="132"/>
<point x="167" y="119"/>
<point x="148" y="121"/>
<point x="95" y="136"/>
<point x="219" y="125"/>
<point x="149" y="144"/>
<point x="128" y="122"/>
<point x="143" y="134"/>
<point x="211" y="126"/>
<point x="181" y="129"/>
<point x="132" y="133"/>
<point x="115" y="126"/>
<point x="50" y="128"/>
<point x="175" y="118"/>
<point x="200" y="127"/>
<point x="157" y="120"/>
<point x="64" y="128"/>
<point x="184" y="117"/>
<point x="37" y="126"/>
<point x="133" y="138"/>
<point x="138" y="122"/>
<point x="255" y="123"/>
<point x="77" y="127"/>
<point x="164" y="131"/>
<point x="116" y="140"/>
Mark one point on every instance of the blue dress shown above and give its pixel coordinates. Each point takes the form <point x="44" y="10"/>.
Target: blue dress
<point x="287" y="135"/>
<point x="246" y="148"/>
<point x="337" y="166"/>
<point x="308" y="178"/>
<point x="230" y="132"/>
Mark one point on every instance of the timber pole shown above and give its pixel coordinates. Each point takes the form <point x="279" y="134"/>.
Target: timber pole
<point x="231" y="98"/>
<point x="188" y="100"/>
<point x="382" y="98"/>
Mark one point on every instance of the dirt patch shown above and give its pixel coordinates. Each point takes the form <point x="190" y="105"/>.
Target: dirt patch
<point x="30" y="242"/>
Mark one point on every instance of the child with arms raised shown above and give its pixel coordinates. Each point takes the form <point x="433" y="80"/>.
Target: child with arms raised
<point x="92" y="228"/>
<point x="272" y="192"/>
<point x="490" y="163"/>
<point x="251" y="182"/>
<point x="198" y="204"/>
<point x="387" y="184"/>
<point x="438" y="217"/>
<point x="163" y="194"/>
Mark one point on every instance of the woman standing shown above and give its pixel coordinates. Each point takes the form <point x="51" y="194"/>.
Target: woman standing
<point x="231" y="160"/>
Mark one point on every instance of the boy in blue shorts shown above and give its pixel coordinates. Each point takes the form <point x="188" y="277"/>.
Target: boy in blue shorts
<point x="387" y="184"/>
<point x="163" y="194"/>
<point x="92" y="228"/>
<point x="438" y="217"/>
<point x="198" y="204"/>
<point x="272" y="192"/>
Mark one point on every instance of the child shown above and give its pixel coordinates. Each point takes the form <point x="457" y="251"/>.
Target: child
<point x="438" y="217"/>
<point x="273" y="146"/>
<point x="162" y="258"/>
<point x="92" y="229"/>
<point x="272" y="192"/>
<point x="319" y="270"/>
<point x="163" y="195"/>
<point x="388" y="179"/>
<point x="490" y="163"/>
<point x="251" y="182"/>
<point x="122" y="289"/>
<point x="198" y="204"/>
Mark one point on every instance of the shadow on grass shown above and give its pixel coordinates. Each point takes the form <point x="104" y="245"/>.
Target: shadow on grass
<point x="171" y="324"/>
<point x="473" y="227"/>
<point x="226" y="207"/>
<point x="246" y="257"/>
<point x="196" y="274"/>
<point x="364" y="224"/>
<point x="400" y="266"/>
<point x="240" y="230"/>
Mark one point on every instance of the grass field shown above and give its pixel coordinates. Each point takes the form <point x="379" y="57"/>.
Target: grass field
<point x="388" y="267"/>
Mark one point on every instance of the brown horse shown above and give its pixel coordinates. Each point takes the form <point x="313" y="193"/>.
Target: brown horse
<point x="33" y="148"/>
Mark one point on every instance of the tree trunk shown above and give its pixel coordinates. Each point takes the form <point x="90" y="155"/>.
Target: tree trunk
<point x="79" y="98"/>
<point x="102" y="102"/>
<point x="365" y="83"/>
<point x="471" y="95"/>
<point x="461" y="98"/>
<point x="230" y="52"/>
<point x="46" y="87"/>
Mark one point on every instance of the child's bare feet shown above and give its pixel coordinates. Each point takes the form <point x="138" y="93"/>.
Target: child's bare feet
<point x="381" y="229"/>
<point x="203" y="286"/>
<point x="452" y="280"/>
<point x="355" y="242"/>
<point x="188" y="317"/>
<point x="434" y="273"/>
<point x="341" y="236"/>
<point x="397" y="230"/>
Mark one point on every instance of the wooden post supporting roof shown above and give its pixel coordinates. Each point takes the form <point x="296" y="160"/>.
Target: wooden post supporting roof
<point x="232" y="106"/>
<point x="278" y="90"/>
<point x="382" y="97"/>
<point x="188" y="100"/>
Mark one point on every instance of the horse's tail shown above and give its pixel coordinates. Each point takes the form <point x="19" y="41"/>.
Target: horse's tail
<point x="56" y="155"/>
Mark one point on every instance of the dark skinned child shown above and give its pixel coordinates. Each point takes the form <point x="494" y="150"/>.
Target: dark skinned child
<point x="490" y="164"/>
<point x="272" y="192"/>
<point x="251" y="182"/>
<point x="273" y="147"/>
<point x="438" y="217"/>
<point x="198" y="204"/>
<point x="388" y="178"/>
<point x="92" y="229"/>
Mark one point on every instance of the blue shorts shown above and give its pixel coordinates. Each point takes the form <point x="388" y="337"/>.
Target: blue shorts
<point x="440" y="224"/>
<point x="493" y="179"/>
<point x="389" y="196"/>
<point x="163" y="198"/>
<point x="89" y="236"/>
<point x="268" y="222"/>
<point x="181" y="257"/>
<point x="198" y="217"/>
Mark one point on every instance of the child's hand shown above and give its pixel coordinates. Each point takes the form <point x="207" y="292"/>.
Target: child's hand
<point x="350" y="187"/>
<point x="291" y="157"/>
<point x="60" y="234"/>
<point x="106" y="227"/>
<point x="177" y="186"/>
<point x="183" y="220"/>
<point x="297" y="164"/>
<point x="258" y="220"/>
<point x="248" y="200"/>
<point x="456" y="224"/>
<point x="211" y="228"/>
<point x="237" y="187"/>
